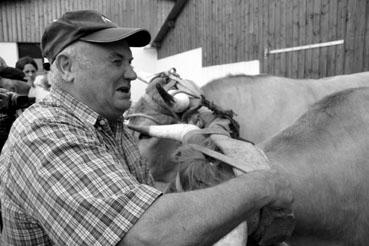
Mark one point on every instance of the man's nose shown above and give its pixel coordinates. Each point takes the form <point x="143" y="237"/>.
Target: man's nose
<point x="130" y="74"/>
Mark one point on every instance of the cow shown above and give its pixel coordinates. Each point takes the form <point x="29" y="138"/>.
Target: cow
<point x="263" y="105"/>
<point x="324" y="155"/>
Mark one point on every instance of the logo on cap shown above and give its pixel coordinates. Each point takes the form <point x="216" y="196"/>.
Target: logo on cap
<point x="106" y="20"/>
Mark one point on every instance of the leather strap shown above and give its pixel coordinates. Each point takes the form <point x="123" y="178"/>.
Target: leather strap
<point x="204" y="131"/>
<point x="226" y="159"/>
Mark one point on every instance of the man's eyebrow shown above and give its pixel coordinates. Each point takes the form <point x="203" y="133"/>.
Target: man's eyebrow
<point x="119" y="55"/>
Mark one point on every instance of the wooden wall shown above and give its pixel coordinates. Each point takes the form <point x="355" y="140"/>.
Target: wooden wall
<point x="228" y="30"/>
<point x="25" y="20"/>
<point x="241" y="30"/>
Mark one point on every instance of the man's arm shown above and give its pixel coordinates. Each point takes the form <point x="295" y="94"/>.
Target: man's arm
<point x="202" y="217"/>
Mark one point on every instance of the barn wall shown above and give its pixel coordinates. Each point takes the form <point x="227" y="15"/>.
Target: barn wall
<point x="242" y="30"/>
<point x="25" y="20"/>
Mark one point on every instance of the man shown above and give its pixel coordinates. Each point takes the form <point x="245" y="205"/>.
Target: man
<point x="12" y="86"/>
<point x="77" y="177"/>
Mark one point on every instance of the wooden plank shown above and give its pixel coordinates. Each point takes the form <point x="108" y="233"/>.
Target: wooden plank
<point x="332" y="30"/>
<point x="341" y="34"/>
<point x="316" y="38"/>
<point x="359" y="37"/>
<point x="59" y="8"/>
<point x="36" y="21"/>
<point x="289" y="38"/>
<point x="271" y="36"/>
<point x="302" y="38"/>
<point x="283" y="38"/>
<point x="11" y="24"/>
<point x="257" y="29"/>
<point x="350" y="39"/>
<point x="254" y="41"/>
<point x="2" y="19"/>
<point x="324" y="33"/>
<point x="248" y="27"/>
<point x="309" y="38"/>
<point x="295" y="39"/>
<point x="214" y="43"/>
<point x="4" y="22"/>
<point x="25" y="18"/>
<point x="277" y="31"/>
<point x="38" y="27"/>
<point x="366" y="41"/>
<point x="46" y="16"/>
<point x="18" y="19"/>
<point x="263" y="34"/>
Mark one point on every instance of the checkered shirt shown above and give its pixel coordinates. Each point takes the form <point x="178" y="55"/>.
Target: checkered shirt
<point x="68" y="177"/>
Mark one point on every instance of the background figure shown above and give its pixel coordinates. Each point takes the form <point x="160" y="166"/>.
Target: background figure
<point x="42" y="79"/>
<point x="13" y="96"/>
<point x="29" y="66"/>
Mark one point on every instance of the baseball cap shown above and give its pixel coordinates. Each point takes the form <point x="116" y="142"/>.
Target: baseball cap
<point x="12" y="73"/>
<point x="90" y="26"/>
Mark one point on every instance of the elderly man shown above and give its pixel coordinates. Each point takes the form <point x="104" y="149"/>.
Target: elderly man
<point x="72" y="175"/>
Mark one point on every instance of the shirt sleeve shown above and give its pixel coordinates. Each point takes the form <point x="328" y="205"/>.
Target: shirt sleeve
<point x="80" y="193"/>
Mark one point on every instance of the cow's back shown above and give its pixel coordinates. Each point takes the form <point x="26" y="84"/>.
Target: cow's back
<point x="325" y="155"/>
<point x="267" y="104"/>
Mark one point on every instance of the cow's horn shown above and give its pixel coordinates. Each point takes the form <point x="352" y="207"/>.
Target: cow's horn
<point x="182" y="101"/>
<point x="175" y="131"/>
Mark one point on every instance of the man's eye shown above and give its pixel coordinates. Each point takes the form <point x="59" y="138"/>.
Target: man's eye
<point x="117" y="62"/>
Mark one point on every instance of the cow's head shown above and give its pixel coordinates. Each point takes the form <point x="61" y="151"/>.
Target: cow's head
<point x="169" y="99"/>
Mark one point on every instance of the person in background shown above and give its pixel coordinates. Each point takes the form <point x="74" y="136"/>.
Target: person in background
<point x="29" y="66"/>
<point x="42" y="79"/>
<point x="13" y="96"/>
<point x="78" y="177"/>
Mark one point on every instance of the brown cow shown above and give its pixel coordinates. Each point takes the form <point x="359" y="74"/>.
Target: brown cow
<point x="267" y="104"/>
<point x="325" y="155"/>
<point x="264" y="106"/>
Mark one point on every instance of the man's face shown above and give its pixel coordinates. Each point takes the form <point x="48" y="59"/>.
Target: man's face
<point x="103" y="78"/>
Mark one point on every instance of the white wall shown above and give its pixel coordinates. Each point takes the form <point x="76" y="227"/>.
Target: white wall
<point x="188" y="65"/>
<point x="144" y="64"/>
<point x="9" y="52"/>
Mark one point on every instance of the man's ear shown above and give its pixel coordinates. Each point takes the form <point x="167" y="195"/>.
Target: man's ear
<point x="64" y="65"/>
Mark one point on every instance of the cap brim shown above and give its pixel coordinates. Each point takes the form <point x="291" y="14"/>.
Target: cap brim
<point x="136" y="37"/>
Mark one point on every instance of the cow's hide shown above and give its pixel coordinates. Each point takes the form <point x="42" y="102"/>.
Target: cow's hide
<point x="325" y="156"/>
<point x="267" y="104"/>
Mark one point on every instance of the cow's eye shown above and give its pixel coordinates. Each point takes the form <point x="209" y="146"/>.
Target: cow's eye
<point x="142" y="136"/>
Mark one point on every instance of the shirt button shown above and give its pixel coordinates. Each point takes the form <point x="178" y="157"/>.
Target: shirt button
<point x="99" y="128"/>
<point x="102" y="122"/>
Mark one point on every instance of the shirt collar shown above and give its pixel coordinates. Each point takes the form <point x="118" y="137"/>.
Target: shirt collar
<point x="79" y="109"/>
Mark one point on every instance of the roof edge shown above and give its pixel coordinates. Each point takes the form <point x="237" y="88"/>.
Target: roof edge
<point x="169" y="23"/>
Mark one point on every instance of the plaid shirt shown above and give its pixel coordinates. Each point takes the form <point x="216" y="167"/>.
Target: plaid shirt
<point x="68" y="177"/>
